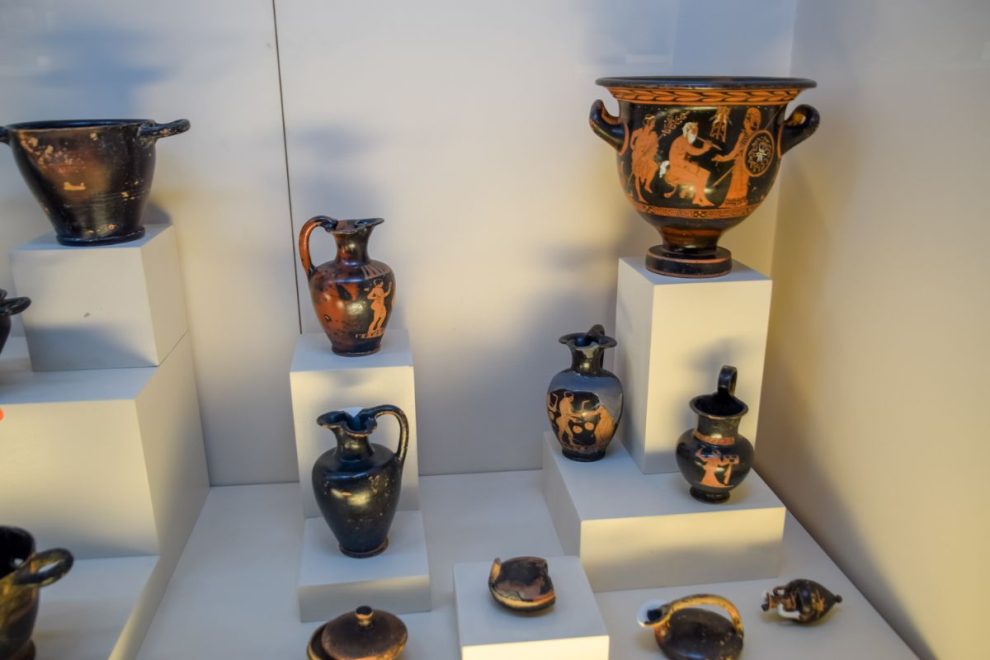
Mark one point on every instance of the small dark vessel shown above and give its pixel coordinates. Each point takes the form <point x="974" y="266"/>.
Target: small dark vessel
<point x="364" y="634"/>
<point x="9" y="307"/>
<point x="353" y="294"/>
<point x="713" y="457"/>
<point x="22" y="574"/>
<point x="357" y="483"/>
<point x="804" y="601"/>
<point x="91" y="176"/>
<point x="697" y="155"/>
<point x="686" y="632"/>
<point x="584" y="403"/>
<point x="522" y="584"/>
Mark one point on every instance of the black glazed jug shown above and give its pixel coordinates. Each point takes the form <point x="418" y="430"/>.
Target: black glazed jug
<point x="713" y="457"/>
<point x="9" y="307"/>
<point x="357" y="484"/>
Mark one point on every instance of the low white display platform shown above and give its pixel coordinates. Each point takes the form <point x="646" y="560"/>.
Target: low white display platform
<point x="674" y="334"/>
<point x="634" y="530"/>
<point x="572" y="628"/>
<point x="322" y="381"/>
<point x="397" y="580"/>
<point x="106" y="462"/>
<point x="242" y="563"/>
<point x="101" y="307"/>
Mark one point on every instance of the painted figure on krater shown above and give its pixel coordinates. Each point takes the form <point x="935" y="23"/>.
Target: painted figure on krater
<point x="690" y="168"/>
<point x="716" y="465"/>
<point x="579" y="422"/>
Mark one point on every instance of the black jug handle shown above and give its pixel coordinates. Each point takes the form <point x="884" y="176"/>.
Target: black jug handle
<point x="727" y="380"/>
<point x="156" y="131"/>
<point x="13" y="306"/>
<point x="4" y="135"/>
<point x="328" y="224"/>
<point x="400" y="417"/>
<point x="43" y="568"/>
<point x="607" y="126"/>
<point x="797" y="128"/>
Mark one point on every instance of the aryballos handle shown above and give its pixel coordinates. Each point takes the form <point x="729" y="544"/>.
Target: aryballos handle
<point x="607" y="126"/>
<point x="662" y="624"/>
<point x="43" y="568"/>
<point x="157" y="131"/>
<point x="400" y="417"/>
<point x="727" y="376"/>
<point x="328" y="225"/>
<point x="797" y="128"/>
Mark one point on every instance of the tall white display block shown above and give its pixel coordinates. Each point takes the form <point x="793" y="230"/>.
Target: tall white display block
<point x="572" y="628"/>
<point x="101" y="307"/>
<point x="634" y="530"/>
<point x="397" y="580"/>
<point x="322" y="381"/>
<point x="674" y="334"/>
<point x="106" y="462"/>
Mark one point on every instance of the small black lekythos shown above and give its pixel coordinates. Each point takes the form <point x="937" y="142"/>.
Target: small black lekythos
<point x="91" y="176"/>
<point x="9" y="307"/>
<point x="713" y="457"/>
<point x="357" y="483"/>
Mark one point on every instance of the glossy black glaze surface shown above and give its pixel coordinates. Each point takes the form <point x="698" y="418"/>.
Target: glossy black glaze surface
<point x="522" y="584"/>
<point x="357" y="484"/>
<point x="713" y="457"/>
<point x="91" y="177"/>
<point x="584" y="402"/>
<point x="353" y="294"/>
<point x="801" y="600"/>
<point x="22" y="574"/>
<point x="9" y="307"/>
<point x="685" y="632"/>
<point x="364" y="634"/>
<point x="697" y="155"/>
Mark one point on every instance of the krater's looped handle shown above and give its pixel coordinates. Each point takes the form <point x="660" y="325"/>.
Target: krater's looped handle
<point x="400" y="417"/>
<point x="607" y="126"/>
<point x="158" y="131"/>
<point x="662" y="624"/>
<point x="727" y="376"/>
<point x="798" y="127"/>
<point x="4" y="135"/>
<point x="328" y="225"/>
<point x="44" y="568"/>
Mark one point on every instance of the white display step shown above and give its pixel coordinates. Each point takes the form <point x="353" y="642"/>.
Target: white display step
<point x="397" y="580"/>
<point x="322" y="381"/>
<point x="634" y="530"/>
<point x="105" y="462"/>
<point x="571" y="628"/>
<point x="674" y="334"/>
<point x="233" y="592"/>
<point x="101" y="307"/>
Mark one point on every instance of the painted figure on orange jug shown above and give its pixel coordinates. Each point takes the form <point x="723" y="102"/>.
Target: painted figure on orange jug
<point x="584" y="403"/>
<point x="696" y="156"/>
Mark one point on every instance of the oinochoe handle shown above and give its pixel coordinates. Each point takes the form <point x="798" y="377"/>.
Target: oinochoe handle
<point x="43" y="568"/>
<point x="727" y="376"/>
<point x="12" y="306"/>
<point x="797" y="128"/>
<point x="400" y="417"/>
<point x="662" y="625"/>
<point x="328" y="224"/>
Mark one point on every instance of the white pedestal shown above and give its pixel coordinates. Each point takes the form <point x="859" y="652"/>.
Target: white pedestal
<point x="674" y="334"/>
<point x="397" y="580"/>
<point x="322" y="381"/>
<point x="634" y="530"/>
<point x="101" y="307"/>
<point x="572" y="628"/>
<point x="104" y="462"/>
